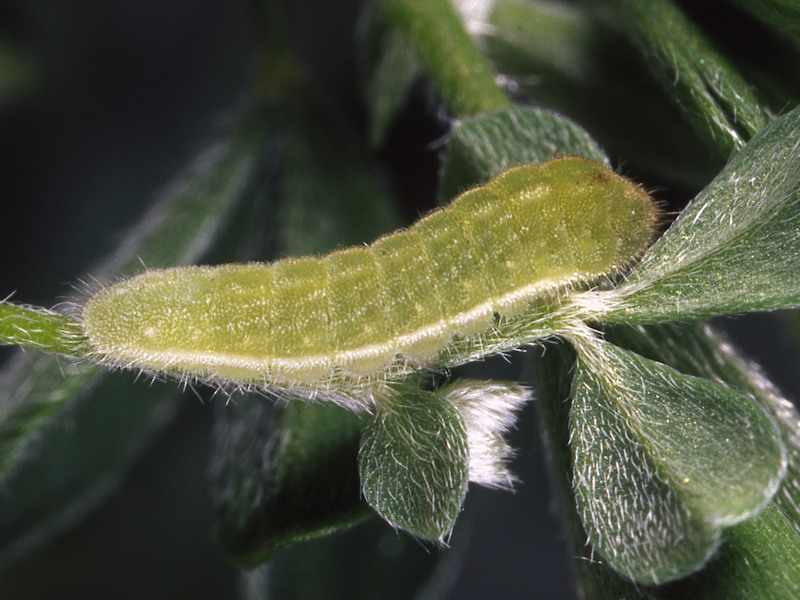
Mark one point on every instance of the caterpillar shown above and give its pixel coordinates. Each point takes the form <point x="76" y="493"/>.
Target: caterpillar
<point x="361" y="316"/>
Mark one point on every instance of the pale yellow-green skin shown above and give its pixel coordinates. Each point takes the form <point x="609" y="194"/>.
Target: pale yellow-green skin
<point x="364" y="313"/>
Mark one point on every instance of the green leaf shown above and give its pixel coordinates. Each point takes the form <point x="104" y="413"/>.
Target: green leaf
<point x="481" y="147"/>
<point x="663" y="461"/>
<point x="282" y="474"/>
<point x="454" y="65"/>
<point x="735" y="248"/>
<point x="758" y="559"/>
<point x="356" y="564"/>
<point x="413" y="463"/>
<point x="77" y="458"/>
<point x="712" y="94"/>
<point x="387" y="67"/>
<point x="56" y="460"/>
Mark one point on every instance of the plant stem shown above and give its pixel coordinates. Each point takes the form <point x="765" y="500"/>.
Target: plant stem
<point x="40" y="329"/>
<point x="458" y="70"/>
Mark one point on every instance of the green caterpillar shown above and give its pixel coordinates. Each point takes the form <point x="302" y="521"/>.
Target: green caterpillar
<point x="430" y="296"/>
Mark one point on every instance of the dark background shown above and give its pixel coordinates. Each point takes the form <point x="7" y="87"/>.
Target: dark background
<point x="126" y="92"/>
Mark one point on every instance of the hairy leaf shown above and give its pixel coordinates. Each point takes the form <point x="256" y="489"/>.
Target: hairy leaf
<point x="759" y="558"/>
<point x="735" y="248"/>
<point x="489" y="410"/>
<point x="483" y="146"/>
<point x="663" y="461"/>
<point x="713" y="96"/>
<point x="413" y="463"/>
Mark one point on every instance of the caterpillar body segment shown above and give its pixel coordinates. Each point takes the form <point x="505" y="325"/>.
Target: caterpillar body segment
<point x="412" y="299"/>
